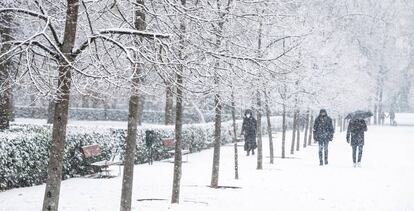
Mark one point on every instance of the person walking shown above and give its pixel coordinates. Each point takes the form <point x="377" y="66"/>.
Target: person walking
<point x="382" y="118"/>
<point x="355" y="136"/>
<point x="392" y="118"/>
<point x="249" y="132"/>
<point x="323" y="131"/>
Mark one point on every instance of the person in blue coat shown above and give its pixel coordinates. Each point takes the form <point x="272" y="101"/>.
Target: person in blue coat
<point x="323" y="131"/>
<point x="355" y="136"/>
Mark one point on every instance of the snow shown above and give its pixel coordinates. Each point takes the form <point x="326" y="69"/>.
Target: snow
<point x="383" y="183"/>
<point x="404" y="119"/>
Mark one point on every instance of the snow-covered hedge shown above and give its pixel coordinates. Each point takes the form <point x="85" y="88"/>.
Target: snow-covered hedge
<point x="95" y="114"/>
<point x="24" y="149"/>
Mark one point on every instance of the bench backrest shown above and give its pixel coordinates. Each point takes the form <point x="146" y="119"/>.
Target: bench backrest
<point x="91" y="150"/>
<point x="168" y="142"/>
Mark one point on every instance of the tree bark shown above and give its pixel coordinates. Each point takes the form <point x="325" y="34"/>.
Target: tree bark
<point x="141" y="104"/>
<point x="380" y="104"/>
<point x="178" y="138"/>
<point x="175" y="197"/>
<point x="50" y="111"/>
<point x="60" y="120"/>
<point x="284" y="131"/>
<point x="5" y="66"/>
<point x="233" y="115"/>
<point x="259" y="133"/>
<point x="340" y="124"/>
<point x="133" y="118"/>
<point x="305" y="136"/>
<point x="269" y="129"/>
<point x="169" y="101"/>
<point x="310" y="130"/>
<point x="292" y="146"/>
<point x="217" y="102"/>
<point x="298" y="131"/>
<point x="217" y="140"/>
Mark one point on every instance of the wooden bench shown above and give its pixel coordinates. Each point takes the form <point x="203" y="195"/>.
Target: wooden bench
<point x="95" y="150"/>
<point x="169" y="144"/>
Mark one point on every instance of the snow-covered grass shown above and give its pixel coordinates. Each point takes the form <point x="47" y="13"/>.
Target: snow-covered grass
<point x="383" y="183"/>
<point x="404" y="119"/>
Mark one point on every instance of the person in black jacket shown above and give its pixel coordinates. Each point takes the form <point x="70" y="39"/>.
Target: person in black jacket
<point x="323" y="131"/>
<point x="249" y="132"/>
<point x="355" y="136"/>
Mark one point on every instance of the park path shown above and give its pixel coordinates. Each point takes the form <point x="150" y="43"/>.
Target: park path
<point x="385" y="181"/>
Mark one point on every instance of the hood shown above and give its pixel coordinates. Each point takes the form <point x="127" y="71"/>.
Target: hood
<point x="248" y="111"/>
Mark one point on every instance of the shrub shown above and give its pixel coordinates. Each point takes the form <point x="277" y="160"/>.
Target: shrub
<point x="24" y="149"/>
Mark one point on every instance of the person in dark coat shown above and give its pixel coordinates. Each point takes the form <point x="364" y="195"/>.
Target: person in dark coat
<point x="355" y="136"/>
<point x="150" y="138"/>
<point x="249" y="132"/>
<point x="392" y="117"/>
<point x="382" y="118"/>
<point x="323" y="131"/>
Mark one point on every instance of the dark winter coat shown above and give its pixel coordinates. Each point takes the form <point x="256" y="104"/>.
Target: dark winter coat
<point x="356" y="130"/>
<point x="392" y="115"/>
<point x="323" y="129"/>
<point x="249" y="129"/>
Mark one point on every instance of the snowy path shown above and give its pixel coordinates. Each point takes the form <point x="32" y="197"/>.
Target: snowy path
<point x="385" y="182"/>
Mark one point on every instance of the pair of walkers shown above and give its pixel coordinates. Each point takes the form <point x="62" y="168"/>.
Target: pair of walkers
<point x="323" y="131"/>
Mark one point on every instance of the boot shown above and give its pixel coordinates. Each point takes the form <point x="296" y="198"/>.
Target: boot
<point x="253" y="152"/>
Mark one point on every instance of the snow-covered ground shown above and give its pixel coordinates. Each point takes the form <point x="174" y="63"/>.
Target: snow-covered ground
<point x="385" y="181"/>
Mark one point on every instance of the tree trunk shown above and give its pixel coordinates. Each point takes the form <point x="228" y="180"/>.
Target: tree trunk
<point x="141" y="104"/>
<point x="128" y="176"/>
<point x="233" y="115"/>
<point x="50" y="111"/>
<point x="169" y="101"/>
<point x="60" y="120"/>
<point x="269" y="129"/>
<point x="5" y="67"/>
<point x="298" y="131"/>
<point x="178" y="158"/>
<point x="259" y="133"/>
<point x="217" y="140"/>
<point x="310" y="130"/>
<point x="217" y="104"/>
<point x="305" y="136"/>
<point x="340" y="124"/>
<point x="283" y="131"/>
<point x="133" y="118"/>
<point x="292" y="146"/>
<point x="380" y="106"/>
<point x="178" y="138"/>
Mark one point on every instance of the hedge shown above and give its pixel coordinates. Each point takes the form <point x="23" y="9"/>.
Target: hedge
<point x="100" y="114"/>
<point x="24" y="149"/>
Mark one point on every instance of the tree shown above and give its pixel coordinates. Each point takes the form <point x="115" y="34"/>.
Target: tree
<point x="179" y="114"/>
<point x="222" y="12"/>
<point x="133" y="118"/>
<point x="269" y="128"/>
<point x="5" y="65"/>
<point x="60" y="120"/>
